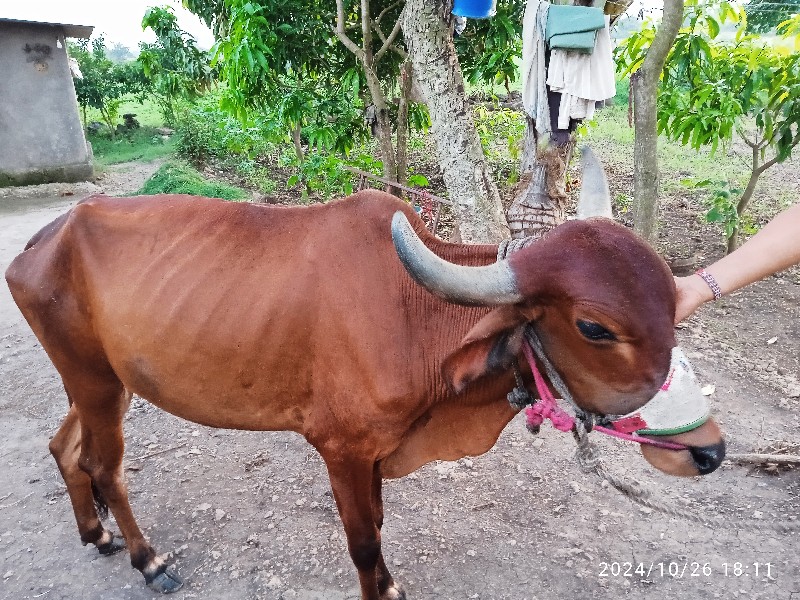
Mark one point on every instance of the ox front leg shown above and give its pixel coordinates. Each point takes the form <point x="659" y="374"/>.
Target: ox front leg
<point x="356" y="489"/>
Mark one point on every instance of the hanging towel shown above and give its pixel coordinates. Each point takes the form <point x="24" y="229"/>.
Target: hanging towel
<point x="573" y="27"/>
<point x="534" y="65"/>
<point x="582" y="79"/>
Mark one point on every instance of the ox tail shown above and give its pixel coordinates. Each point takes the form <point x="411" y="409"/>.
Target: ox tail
<point x="100" y="504"/>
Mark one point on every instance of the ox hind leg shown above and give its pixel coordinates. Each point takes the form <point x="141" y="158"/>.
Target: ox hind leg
<point x="100" y="405"/>
<point x="86" y="503"/>
<point x="356" y="487"/>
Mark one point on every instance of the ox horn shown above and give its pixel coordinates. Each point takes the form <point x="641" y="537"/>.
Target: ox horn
<point x="595" y="199"/>
<point x="478" y="286"/>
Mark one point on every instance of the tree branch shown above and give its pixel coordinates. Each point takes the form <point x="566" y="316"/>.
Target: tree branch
<point x="386" y="10"/>
<point x="339" y="30"/>
<point x="671" y="22"/>
<point x="767" y="165"/>
<point x="761" y="459"/>
<point x="390" y="40"/>
<point x="366" y="33"/>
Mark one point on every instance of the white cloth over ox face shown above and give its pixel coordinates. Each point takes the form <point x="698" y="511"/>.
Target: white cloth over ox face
<point x="679" y="406"/>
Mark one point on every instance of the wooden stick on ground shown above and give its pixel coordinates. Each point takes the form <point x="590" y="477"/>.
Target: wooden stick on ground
<point x="762" y="459"/>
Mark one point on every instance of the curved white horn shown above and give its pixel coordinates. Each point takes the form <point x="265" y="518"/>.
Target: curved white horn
<point x="595" y="199"/>
<point x="480" y="286"/>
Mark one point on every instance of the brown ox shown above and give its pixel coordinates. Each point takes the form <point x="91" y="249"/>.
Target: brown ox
<point x="247" y="317"/>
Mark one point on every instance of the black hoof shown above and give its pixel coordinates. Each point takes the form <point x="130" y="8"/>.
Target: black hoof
<point x="395" y="592"/>
<point x="115" y="545"/>
<point x="166" y="582"/>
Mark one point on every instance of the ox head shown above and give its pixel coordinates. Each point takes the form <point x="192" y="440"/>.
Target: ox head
<point x="599" y="299"/>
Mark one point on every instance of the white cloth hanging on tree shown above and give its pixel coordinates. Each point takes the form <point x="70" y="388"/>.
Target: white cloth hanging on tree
<point x="534" y="66"/>
<point x="582" y="79"/>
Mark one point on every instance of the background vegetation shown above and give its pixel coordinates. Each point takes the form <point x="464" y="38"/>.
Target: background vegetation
<point x="287" y="122"/>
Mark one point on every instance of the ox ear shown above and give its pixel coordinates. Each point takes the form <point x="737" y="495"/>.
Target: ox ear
<point x="490" y="347"/>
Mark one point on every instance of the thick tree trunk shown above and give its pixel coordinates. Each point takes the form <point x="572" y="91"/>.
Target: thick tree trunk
<point x="539" y="201"/>
<point x="428" y="36"/>
<point x="645" y="150"/>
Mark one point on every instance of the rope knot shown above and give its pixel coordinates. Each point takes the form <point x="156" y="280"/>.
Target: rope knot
<point x="519" y="398"/>
<point x="536" y="414"/>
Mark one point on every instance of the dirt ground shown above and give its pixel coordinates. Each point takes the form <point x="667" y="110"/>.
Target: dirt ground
<point x="250" y="515"/>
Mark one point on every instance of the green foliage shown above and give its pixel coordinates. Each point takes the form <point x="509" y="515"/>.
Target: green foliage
<point x="722" y="202"/>
<point x="104" y="83"/>
<point x="282" y="57"/>
<point x="326" y="174"/>
<point x="205" y="132"/>
<point x="710" y="87"/>
<point x="175" y="67"/>
<point x="764" y="15"/>
<point x="491" y="49"/>
<point x="417" y="180"/>
<point x="177" y="178"/>
<point x="267" y="48"/>
<point x="501" y="131"/>
<point x="257" y="176"/>
<point x="140" y="144"/>
<point x="623" y="203"/>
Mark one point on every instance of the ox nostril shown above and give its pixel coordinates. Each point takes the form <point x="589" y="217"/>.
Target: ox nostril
<point x="708" y="458"/>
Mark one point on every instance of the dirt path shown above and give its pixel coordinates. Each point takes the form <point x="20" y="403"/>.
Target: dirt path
<point x="250" y="515"/>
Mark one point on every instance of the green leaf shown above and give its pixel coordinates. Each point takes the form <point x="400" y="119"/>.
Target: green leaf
<point x="713" y="27"/>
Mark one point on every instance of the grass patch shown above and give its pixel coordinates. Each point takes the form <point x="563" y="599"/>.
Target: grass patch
<point x="147" y="112"/>
<point x="676" y="162"/>
<point x="178" y="178"/>
<point x="140" y="144"/>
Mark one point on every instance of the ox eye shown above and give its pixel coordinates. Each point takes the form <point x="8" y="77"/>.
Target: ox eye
<point x="594" y="331"/>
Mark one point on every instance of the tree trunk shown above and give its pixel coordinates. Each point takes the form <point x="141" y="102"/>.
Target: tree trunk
<point x="645" y="150"/>
<point x="402" y="122"/>
<point x="428" y="35"/>
<point x="368" y="60"/>
<point x="384" y="126"/>
<point x="744" y="201"/>
<point x="539" y="197"/>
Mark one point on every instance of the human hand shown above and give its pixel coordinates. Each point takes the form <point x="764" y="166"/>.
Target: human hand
<point x="690" y="293"/>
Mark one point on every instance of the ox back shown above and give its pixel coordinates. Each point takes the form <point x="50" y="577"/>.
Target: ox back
<point x="248" y="317"/>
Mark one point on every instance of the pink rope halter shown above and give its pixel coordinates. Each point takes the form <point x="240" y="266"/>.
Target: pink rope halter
<point x="548" y="408"/>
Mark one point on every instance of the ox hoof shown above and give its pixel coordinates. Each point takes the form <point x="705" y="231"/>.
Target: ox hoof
<point x="115" y="545"/>
<point x="394" y="592"/>
<point x="166" y="582"/>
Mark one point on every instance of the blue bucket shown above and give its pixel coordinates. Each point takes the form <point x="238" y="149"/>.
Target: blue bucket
<point x="475" y="9"/>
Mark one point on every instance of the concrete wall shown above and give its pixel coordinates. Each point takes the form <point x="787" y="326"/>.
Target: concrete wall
<point x="41" y="137"/>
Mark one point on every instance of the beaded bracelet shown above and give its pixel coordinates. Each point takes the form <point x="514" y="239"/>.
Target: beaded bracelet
<point x="712" y="283"/>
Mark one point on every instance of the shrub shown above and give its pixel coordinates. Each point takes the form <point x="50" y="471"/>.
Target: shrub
<point x="177" y="178"/>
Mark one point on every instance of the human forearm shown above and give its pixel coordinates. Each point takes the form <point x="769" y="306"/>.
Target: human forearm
<point x="774" y="248"/>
